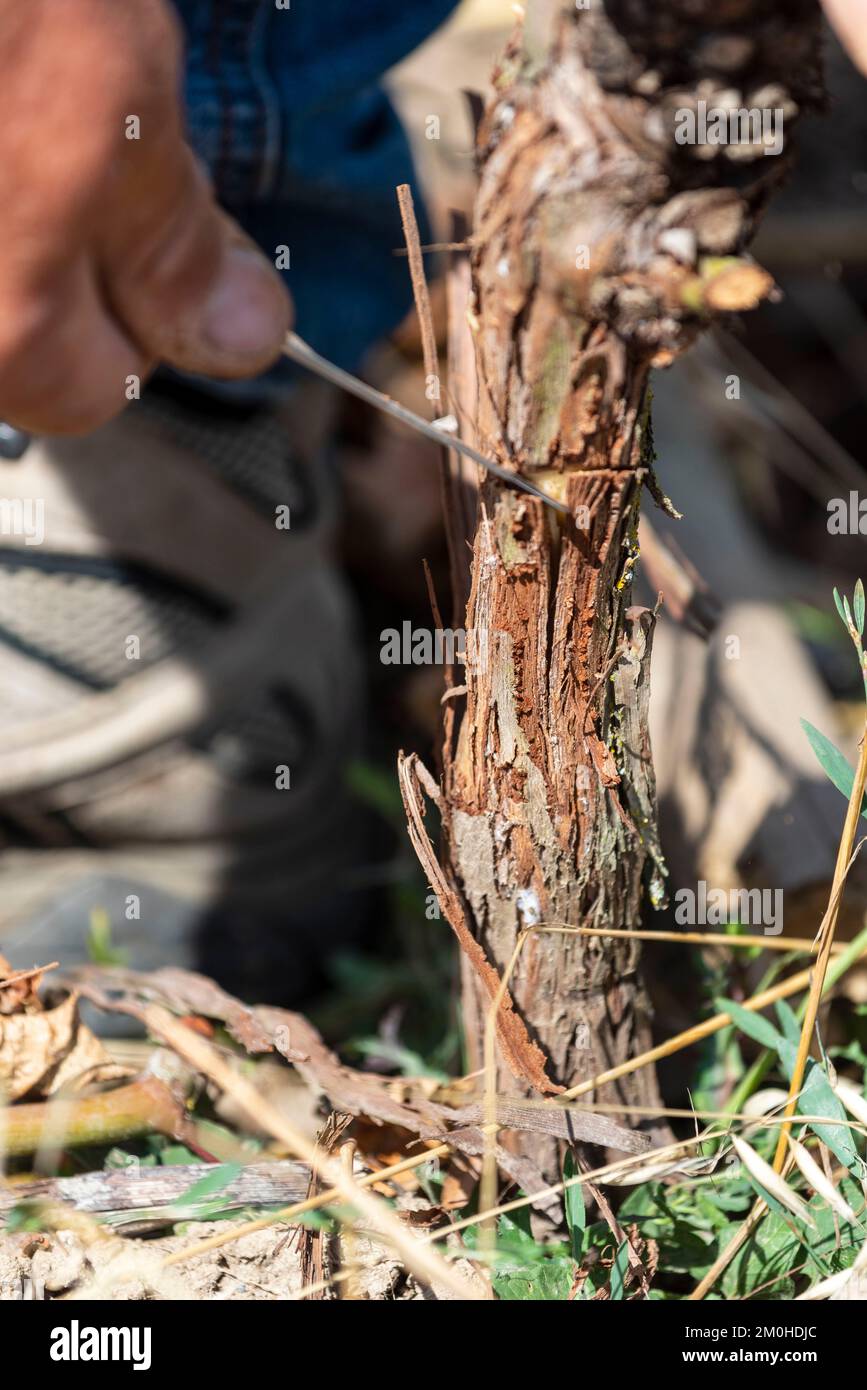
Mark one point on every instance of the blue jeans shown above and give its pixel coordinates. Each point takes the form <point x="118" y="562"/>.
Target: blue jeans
<point x="285" y="108"/>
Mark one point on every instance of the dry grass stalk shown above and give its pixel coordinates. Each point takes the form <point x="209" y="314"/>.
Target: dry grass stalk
<point x="420" y="294"/>
<point x="695" y="938"/>
<point x="488" y="1186"/>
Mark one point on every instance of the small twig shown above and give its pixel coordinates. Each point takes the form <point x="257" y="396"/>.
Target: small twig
<point x="697" y="938"/>
<point x="21" y="975"/>
<point x="145" y="1106"/>
<point x="434" y="246"/>
<point x="420" y="290"/>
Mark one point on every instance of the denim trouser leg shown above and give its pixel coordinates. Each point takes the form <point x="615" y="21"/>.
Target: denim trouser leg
<point x="285" y="108"/>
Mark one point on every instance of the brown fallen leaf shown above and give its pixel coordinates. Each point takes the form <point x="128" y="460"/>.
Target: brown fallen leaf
<point x="19" y="989"/>
<point x="47" y="1047"/>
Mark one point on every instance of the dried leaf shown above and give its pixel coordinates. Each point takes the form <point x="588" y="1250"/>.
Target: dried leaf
<point x="826" y="1288"/>
<point x="852" y="1099"/>
<point x="40" y="1052"/>
<point x="771" y="1181"/>
<point x="19" y="989"/>
<point x="819" y="1182"/>
<point x="184" y="992"/>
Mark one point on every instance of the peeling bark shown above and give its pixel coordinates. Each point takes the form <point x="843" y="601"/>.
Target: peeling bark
<point x="601" y="247"/>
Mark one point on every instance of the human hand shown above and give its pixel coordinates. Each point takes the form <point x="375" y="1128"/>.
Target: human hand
<point x="113" y="253"/>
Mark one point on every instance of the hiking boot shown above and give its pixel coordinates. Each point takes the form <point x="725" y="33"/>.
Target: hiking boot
<point x="180" y="693"/>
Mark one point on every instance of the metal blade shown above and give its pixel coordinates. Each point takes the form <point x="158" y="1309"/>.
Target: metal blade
<point x="300" y="352"/>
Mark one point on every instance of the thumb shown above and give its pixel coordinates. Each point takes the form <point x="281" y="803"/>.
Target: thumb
<point x="186" y="283"/>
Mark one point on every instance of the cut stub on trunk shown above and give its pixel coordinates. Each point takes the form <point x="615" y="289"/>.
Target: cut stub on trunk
<point x="609" y="229"/>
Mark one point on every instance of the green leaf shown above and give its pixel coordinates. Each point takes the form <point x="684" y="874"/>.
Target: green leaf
<point x="549" y="1282"/>
<point x="681" y="1220"/>
<point x="26" y="1216"/>
<point x="765" y="1259"/>
<point x="524" y="1270"/>
<point x="839" y="605"/>
<point x="407" y="1062"/>
<point x="576" y="1212"/>
<point x="775" y="1248"/>
<point x="788" y="1022"/>
<point x="817" y="1098"/>
<point x="207" y="1186"/>
<point x="755" y="1027"/>
<point x="100" y="948"/>
<point x="175" y="1155"/>
<point x="619" y="1271"/>
<point x="834" y="764"/>
<point x="859" y="608"/>
<point x="515" y="1232"/>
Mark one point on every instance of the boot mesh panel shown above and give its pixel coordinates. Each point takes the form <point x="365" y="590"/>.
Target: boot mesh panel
<point x="78" y="620"/>
<point x="252" y="454"/>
